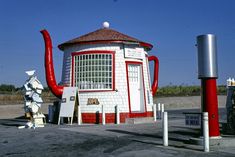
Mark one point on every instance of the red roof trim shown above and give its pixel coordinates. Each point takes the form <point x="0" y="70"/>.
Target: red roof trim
<point x="146" y="45"/>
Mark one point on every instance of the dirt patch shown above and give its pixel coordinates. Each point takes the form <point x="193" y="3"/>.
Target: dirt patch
<point x="17" y="110"/>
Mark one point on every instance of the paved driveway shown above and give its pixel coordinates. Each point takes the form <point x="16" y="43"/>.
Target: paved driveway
<point x="109" y="140"/>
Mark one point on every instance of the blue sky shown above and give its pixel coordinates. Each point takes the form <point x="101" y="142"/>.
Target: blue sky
<point x="170" y="25"/>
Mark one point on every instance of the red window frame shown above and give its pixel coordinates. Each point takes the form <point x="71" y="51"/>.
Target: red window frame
<point x="95" y="52"/>
<point x="136" y="114"/>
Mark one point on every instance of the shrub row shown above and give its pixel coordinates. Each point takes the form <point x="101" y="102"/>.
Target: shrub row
<point x="174" y="90"/>
<point x="11" y="93"/>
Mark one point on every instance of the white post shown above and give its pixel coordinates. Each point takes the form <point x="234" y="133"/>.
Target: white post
<point x="79" y="115"/>
<point x="158" y="111"/>
<point x="103" y="115"/>
<point x="117" y="115"/>
<point x="155" y="112"/>
<point x="206" y="132"/>
<point x="165" y="129"/>
<point x="162" y="109"/>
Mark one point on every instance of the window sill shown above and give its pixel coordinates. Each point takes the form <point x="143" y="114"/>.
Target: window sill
<point x="87" y="91"/>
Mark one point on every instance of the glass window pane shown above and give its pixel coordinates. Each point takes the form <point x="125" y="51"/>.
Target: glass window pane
<point x="93" y="71"/>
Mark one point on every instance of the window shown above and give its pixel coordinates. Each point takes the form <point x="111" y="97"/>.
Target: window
<point x="93" y="70"/>
<point x="133" y="73"/>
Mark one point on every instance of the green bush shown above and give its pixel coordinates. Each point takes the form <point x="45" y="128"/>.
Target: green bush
<point x="10" y="92"/>
<point x="7" y="88"/>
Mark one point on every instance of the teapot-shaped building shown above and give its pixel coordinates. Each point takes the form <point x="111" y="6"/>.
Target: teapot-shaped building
<point x="110" y="69"/>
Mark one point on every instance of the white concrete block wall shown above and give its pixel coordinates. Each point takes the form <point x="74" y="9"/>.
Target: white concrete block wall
<point x="112" y="98"/>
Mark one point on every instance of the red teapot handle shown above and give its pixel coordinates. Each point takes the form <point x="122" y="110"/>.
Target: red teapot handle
<point x="155" y="76"/>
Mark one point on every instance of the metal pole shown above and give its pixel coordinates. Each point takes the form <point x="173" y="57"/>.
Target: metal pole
<point x="158" y="111"/>
<point x="165" y="129"/>
<point x="210" y="105"/>
<point x="79" y="115"/>
<point x="206" y="132"/>
<point x="155" y="112"/>
<point x="103" y="115"/>
<point x="117" y="115"/>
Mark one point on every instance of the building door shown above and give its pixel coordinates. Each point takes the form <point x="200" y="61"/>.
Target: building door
<point x="136" y="89"/>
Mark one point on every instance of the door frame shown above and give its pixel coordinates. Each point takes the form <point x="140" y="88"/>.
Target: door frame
<point x="136" y="114"/>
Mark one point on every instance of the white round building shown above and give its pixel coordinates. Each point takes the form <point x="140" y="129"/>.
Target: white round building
<point x="110" y="69"/>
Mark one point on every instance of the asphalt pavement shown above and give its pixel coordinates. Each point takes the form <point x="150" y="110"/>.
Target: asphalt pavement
<point x="122" y="140"/>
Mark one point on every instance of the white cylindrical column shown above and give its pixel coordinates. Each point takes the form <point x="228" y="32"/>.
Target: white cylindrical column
<point x="158" y="111"/>
<point x="205" y="132"/>
<point x="162" y="110"/>
<point x="117" y="115"/>
<point x="103" y="115"/>
<point x="79" y="115"/>
<point x="155" y="112"/>
<point x="165" y="129"/>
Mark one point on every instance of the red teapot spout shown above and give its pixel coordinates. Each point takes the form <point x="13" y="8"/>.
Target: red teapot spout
<point x="49" y="66"/>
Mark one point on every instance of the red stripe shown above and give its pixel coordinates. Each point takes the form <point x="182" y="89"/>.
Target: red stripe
<point x="143" y="44"/>
<point x="111" y="117"/>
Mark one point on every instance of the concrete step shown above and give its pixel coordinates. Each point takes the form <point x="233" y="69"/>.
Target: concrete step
<point x="139" y="120"/>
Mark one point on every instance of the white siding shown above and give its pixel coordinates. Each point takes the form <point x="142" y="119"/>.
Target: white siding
<point x="148" y="91"/>
<point x="65" y="79"/>
<point x="112" y="98"/>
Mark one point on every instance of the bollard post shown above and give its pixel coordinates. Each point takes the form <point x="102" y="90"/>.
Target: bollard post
<point x="103" y="115"/>
<point x="117" y="115"/>
<point x="206" y="132"/>
<point x="165" y="129"/>
<point x="158" y="111"/>
<point x="79" y="115"/>
<point x="162" y="110"/>
<point x="155" y="112"/>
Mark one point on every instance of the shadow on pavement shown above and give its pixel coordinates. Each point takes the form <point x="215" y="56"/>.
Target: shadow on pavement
<point x="133" y="133"/>
<point x="181" y="138"/>
<point x="19" y="121"/>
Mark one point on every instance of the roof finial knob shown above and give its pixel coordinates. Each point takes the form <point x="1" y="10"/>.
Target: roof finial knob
<point x="105" y="24"/>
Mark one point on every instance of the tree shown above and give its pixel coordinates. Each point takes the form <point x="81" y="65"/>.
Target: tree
<point x="7" y="88"/>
